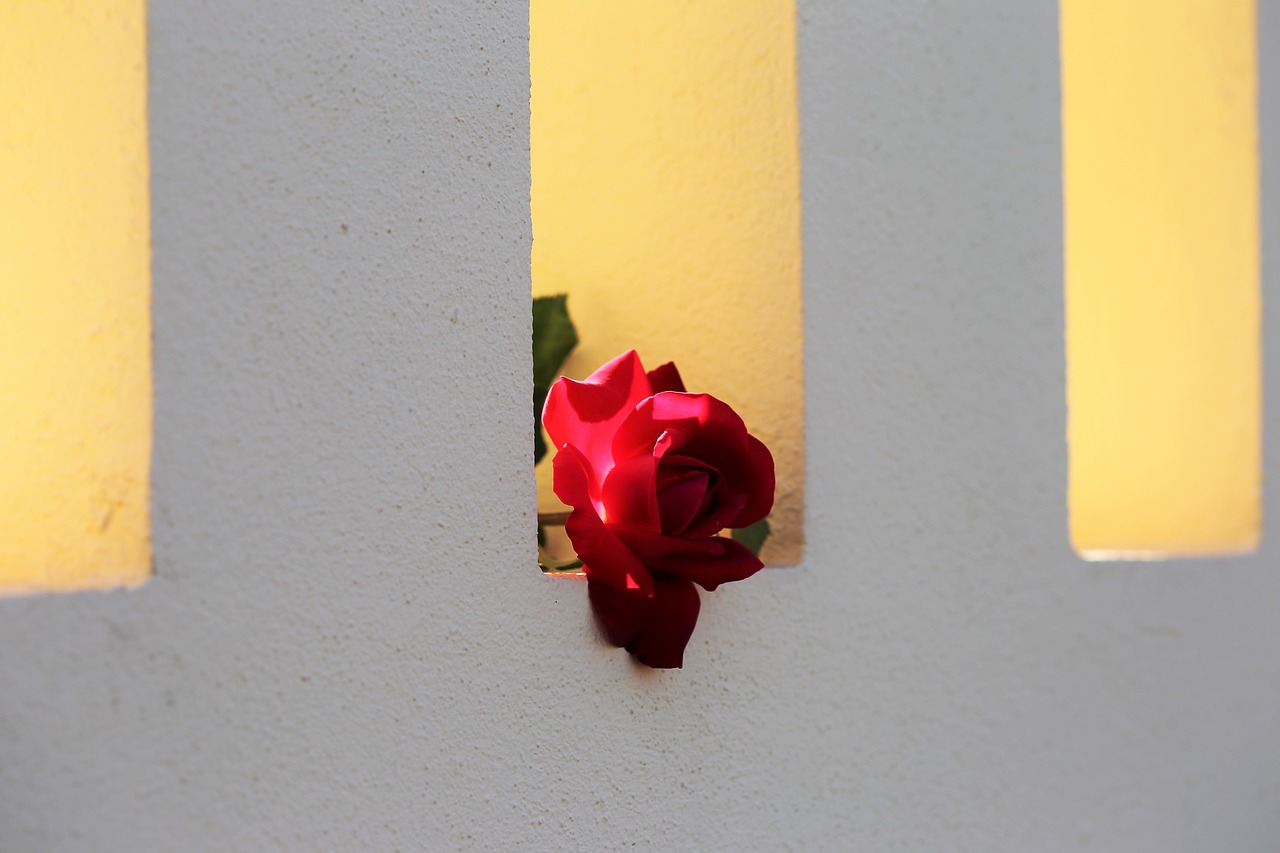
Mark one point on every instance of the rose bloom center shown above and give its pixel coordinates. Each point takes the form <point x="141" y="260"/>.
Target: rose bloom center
<point x="687" y="493"/>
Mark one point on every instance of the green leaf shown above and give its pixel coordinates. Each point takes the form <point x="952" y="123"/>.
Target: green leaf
<point x="554" y="337"/>
<point x="573" y="567"/>
<point x="753" y="535"/>
<point x="539" y="443"/>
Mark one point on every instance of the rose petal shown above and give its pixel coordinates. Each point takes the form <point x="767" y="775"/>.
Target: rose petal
<point x="734" y="562"/>
<point x="621" y="613"/>
<point x="666" y="378"/>
<point x="697" y="426"/>
<point x="604" y="557"/>
<point x="705" y="520"/>
<point x="703" y="430"/>
<point x="676" y="467"/>
<point x="757" y="480"/>
<point x="630" y="493"/>
<point x="646" y="543"/>
<point x="673" y="614"/>
<point x="655" y="631"/>
<point x="719" y="516"/>
<point x="708" y="562"/>
<point x="587" y="414"/>
<point x="680" y="498"/>
<point x="720" y="505"/>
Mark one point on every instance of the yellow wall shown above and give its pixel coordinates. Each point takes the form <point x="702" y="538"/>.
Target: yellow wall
<point x="75" y="380"/>
<point x="666" y="202"/>
<point x="1162" y="271"/>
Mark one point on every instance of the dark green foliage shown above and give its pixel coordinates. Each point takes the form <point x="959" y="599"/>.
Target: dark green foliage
<point x="753" y="535"/>
<point x="573" y="567"/>
<point x="553" y="339"/>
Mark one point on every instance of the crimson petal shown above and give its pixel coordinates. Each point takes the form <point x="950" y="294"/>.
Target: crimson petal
<point x="630" y="493"/>
<point x="734" y="563"/>
<point x="645" y="543"/>
<point x="757" y="482"/>
<point x="696" y="425"/>
<point x="621" y="613"/>
<point x="707" y="562"/>
<point x="666" y="378"/>
<point x="728" y="506"/>
<point x="680" y="499"/>
<point x="655" y="631"/>
<point x="587" y="414"/>
<point x="604" y="557"/>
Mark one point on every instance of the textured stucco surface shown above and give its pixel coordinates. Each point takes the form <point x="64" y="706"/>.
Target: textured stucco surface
<point x="346" y="645"/>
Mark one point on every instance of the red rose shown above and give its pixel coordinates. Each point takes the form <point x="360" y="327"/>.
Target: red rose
<point x="653" y="475"/>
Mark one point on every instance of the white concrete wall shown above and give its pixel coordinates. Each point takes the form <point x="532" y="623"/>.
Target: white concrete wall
<point x="346" y="644"/>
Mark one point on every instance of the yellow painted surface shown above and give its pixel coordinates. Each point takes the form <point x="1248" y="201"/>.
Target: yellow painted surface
<point x="666" y="203"/>
<point x="1162" y="271"/>
<point x="75" y="372"/>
